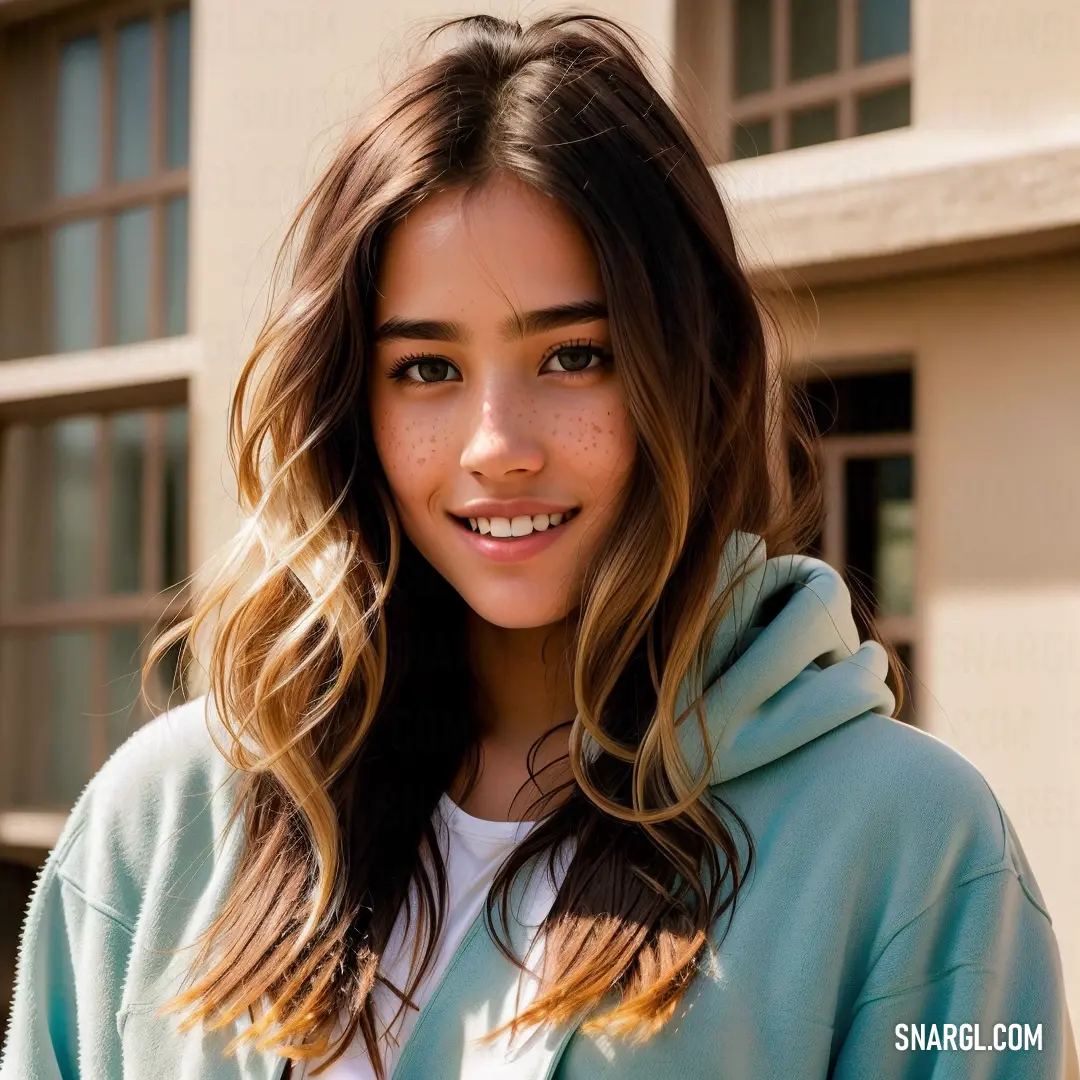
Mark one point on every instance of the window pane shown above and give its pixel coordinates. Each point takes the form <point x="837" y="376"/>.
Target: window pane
<point x="752" y="140"/>
<point x="884" y="29"/>
<point x="814" y="36"/>
<point x="133" y="98"/>
<point x="176" y="496"/>
<point x="177" y="87"/>
<point x="753" y="46"/>
<point x="880" y="530"/>
<point x="122" y="682"/>
<point x="813" y="126"/>
<point x="895" y="537"/>
<point x="131" y="276"/>
<point x="176" y="265"/>
<point x="884" y="111"/>
<point x="75" y="285"/>
<point x="126" y="502"/>
<point x="863" y="404"/>
<point x="73" y="505"/>
<point x="78" y="127"/>
<point x="68" y="754"/>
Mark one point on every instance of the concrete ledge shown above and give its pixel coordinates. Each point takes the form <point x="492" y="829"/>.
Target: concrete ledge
<point x="151" y="372"/>
<point x="902" y="202"/>
<point x="30" y="829"/>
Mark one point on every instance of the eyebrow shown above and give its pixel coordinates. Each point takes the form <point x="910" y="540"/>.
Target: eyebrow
<point x="516" y="325"/>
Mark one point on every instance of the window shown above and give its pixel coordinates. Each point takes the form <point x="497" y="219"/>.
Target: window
<point x="94" y="121"/>
<point x="93" y="216"/>
<point x="813" y="71"/>
<point x="92" y="550"/>
<point x="868" y="443"/>
<point x="768" y="75"/>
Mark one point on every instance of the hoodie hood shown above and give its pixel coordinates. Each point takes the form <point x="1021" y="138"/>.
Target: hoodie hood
<point x="786" y="664"/>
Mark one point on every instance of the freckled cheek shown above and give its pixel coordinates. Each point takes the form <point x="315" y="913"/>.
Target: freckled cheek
<point x="598" y="443"/>
<point x="414" y="451"/>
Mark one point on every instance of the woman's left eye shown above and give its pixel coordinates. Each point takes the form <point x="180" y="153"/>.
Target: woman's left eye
<point x="576" y="358"/>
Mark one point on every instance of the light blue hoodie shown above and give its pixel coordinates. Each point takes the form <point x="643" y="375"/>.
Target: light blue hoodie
<point x="888" y="889"/>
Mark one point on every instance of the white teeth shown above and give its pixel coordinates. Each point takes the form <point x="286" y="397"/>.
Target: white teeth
<point x="522" y="525"/>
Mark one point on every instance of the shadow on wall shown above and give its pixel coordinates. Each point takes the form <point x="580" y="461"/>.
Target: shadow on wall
<point x="16" y="881"/>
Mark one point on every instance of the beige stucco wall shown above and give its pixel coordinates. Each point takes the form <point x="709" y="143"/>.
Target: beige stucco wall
<point x="991" y="65"/>
<point x="997" y="364"/>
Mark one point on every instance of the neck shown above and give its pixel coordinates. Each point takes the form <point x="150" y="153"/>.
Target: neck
<point x="525" y="693"/>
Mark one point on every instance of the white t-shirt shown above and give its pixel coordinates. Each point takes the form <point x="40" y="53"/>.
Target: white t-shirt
<point x="472" y="850"/>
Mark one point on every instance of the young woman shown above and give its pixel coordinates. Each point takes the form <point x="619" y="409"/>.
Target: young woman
<point x="535" y="748"/>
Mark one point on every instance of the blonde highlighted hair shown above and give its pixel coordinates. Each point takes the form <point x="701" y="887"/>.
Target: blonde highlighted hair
<point x="336" y="657"/>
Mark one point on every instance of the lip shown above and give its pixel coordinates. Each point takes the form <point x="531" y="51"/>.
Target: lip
<point x="517" y="549"/>
<point x="510" y="508"/>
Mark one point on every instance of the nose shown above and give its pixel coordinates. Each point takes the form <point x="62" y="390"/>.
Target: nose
<point x="500" y="441"/>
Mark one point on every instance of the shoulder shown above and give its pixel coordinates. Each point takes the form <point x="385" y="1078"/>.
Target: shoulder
<point x="162" y="803"/>
<point x="921" y="815"/>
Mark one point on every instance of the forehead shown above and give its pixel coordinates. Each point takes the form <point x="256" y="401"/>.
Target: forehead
<point x="504" y="246"/>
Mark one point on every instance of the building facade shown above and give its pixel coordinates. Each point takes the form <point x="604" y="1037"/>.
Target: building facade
<point x="904" y="179"/>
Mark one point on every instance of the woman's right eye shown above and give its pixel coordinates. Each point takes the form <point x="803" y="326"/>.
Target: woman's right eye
<point x="425" y="369"/>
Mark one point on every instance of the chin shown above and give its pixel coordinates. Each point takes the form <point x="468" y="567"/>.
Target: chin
<point x="516" y="606"/>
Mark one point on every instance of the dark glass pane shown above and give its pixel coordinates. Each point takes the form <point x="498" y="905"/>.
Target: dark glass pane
<point x="752" y="140"/>
<point x="133" y="97"/>
<point x="880" y="531"/>
<point x="68" y="757"/>
<point x="122" y="674"/>
<point x="895" y="555"/>
<point x="884" y="110"/>
<point x="128" y="461"/>
<point x="884" y="29"/>
<point x="176" y="496"/>
<point x="176" y="265"/>
<point x="78" y="119"/>
<point x="177" y="87"/>
<point x="813" y="126"/>
<point x="814" y="38"/>
<point x="75" y="247"/>
<point x="862" y="404"/>
<point x="131" y="280"/>
<point x="74" y="506"/>
<point x="753" y="47"/>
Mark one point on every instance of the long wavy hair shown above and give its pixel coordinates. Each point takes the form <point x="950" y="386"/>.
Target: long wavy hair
<point x="337" y="660"/>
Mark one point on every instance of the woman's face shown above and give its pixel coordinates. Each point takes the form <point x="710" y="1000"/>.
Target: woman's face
<point x="496" y="411"/>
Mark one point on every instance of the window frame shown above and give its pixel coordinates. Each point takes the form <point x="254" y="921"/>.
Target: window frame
<point x="838" y="450"/>
<point x="151" y="608"/>
<point x="705" y="32"/>
<point x="111" y="196"/>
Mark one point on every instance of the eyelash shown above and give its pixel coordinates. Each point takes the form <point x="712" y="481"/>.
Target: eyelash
<point x="400" y="366"/>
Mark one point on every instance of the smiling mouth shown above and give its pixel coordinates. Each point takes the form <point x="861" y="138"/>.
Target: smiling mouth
<point x="502" y="528"/>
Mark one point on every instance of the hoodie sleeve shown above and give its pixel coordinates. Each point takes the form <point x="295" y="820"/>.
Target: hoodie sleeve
<point x="979" y="967"/>
<point x="68" y="980"/>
